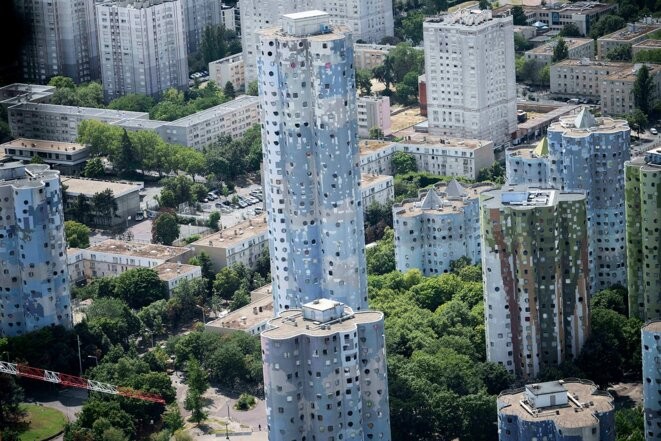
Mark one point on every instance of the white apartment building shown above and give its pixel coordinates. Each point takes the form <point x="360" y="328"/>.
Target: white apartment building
<point x="376" y="188"/>
<point x="198" y="15"/>
<point x="142" y="46"/>
<point x="228" y="69"/>
<point x="448" y="157"/>
<point x="626" y="37"/>
<point x="61" y="40"/>
<point x="582" y="77"/>
<point x="577" y="48"/>
<point x="370" y="55"/>
<point x="65" y="157"/>
<point x="469" y="64"/>
<point x="366" y="20"/>
<point x="373" y="112"/>
<point x="127" y="197"/>
<point x="617" y="89"/>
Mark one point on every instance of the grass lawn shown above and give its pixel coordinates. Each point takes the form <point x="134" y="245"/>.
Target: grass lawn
<point x="44" y="422"/>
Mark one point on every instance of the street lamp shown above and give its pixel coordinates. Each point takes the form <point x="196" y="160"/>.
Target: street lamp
<point x="95" y="359"/>
<point x="227" y="430"/>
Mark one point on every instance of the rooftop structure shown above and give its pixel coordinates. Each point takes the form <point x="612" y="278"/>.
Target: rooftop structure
<point x="12" y="94"/>
<point x="562" y="410"/>
<point x="135" y="249"/>
<point x="577" y="48"/>
<point x="69" y="158"/>
<point x="251" y="319"/>
<point x="89" y="187"/>
<point x="631" y="34"/>
<point x="645" y="45"/>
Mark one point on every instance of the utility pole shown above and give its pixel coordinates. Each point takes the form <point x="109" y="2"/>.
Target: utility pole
<point x="80" y="360"/>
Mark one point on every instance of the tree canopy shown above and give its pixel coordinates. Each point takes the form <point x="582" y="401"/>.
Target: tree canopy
<point x="165" y="229"/>
<point x="77" y="234"/>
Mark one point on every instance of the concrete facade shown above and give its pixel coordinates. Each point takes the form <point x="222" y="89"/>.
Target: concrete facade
<point x="198" y="15"/>
<point x="617" y="89"/>
<point x="626" y="37"/>
<point x="376" y="188"/>
<point x="582" y="77"/>
<point x="643" y="215"/>
<point x="35" y="284"/>
<point x="67" y="158"/>
<point x="650" y="337"/>
<point x="228" y="69"/>
<point x="311" y="163"/>
<point x="535" y="284"/>
<point x="325" y="374"/>
<point x="126" y="196"/>
<point x="62" y="40"/>
<point x="577" y="48"/>
<point x="370" y="55"/>
<point x="470" y="86"/>
<point x="251" y="319"/>
<point x="369" y="21"/>
<point x="565" y="410"/>
<point x="442" y="225"/>
<point x="142" y="46"/>
<point x="373" y="112"/>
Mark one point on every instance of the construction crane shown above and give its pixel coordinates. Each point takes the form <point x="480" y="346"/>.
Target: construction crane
<point x="22" y="370"/>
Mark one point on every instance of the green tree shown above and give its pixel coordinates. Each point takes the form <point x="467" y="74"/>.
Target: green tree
<point x="229" y="91"/>
<point x="94" y="168"/>
<point x="36" y="159"/>
<point x="570" y="30"/>
<point x="104" y="206"/>
<point x="560" y="51"/>
<point x="112" y="319"/>
<point x="172" y="418"/>
<point x="403" y="163"/>
<point x="376" y="133"/>
<point x="133" y="102"/>
<point x="240" y="298"/>
<point x="619" y="53"/>
<point x="643" y="89"/>
<point x="253" y="88"/>
<point x="648" y="56"/>
<point x="637" y="119"/>
<point x="364" y="81"/>
<point x="381" y="257"/>
<point x="140" y="287"/>
<point x="226" y="283"/>
<point x="521" y="44"/>
<point x="407" y="89"/>
<point x="11" y="396"/>
<point x="194" y="402"/>
<point x="214" y="220"/>
<point x="630" y="424"/>
<point x="165" y="229"/>
<point x="412" y="27"/>
<point x="61" y="82"/>
<point x="484" y="4"/>
<point x="90" y="95"/>
<point x="203" y="260"/>
<point x="605" y="25"/>
<point x="519" y="16"/>
<point x="198" y="192"/>
<point x="77" y="234"/>
<point x="124" y="163"/>
<point x="167" y="199"/>
<point x="196" y="377"/>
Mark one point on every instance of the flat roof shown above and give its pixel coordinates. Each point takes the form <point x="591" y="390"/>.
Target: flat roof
<point x="367" y="146"/>
<point x="369" y="180"/>
<point x="135" y="249"/>
<point x="547" y="48"/>
<point x="525" y="197"/>
<point x="626" y="34"/>
<point x="238" y="233"/>
<point x="89" y="187"/>
<point x="652" y="326"/>
<point x="462" y="18"/>
<point x="291" y="323"/>
<point x="336" y="32"/>
<point x="548" y="387"/>
<point x="630" y="74"/>
<point x="237" y="103"/>
<point x="171" y="270"/>
<point x="321" y="304"/>
<point x="585" y="400"/>
<point x="577" y="7"/>
<point x="444" y="204"/>
<point x="254" y="313"/>
<point x="651" y="43"/>
<point x="306" y="14"/>
<point x="605" y="125"/>
<point x="544" y="118"/>
<point x="40" y="144"/>
<point x="80" y="111"/>
<point x="588" y="62"/>
<point x="229" y="59"/>
<point x="430" y="141"/>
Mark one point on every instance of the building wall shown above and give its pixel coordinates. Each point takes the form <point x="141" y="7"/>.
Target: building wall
<point x="62" y="40"/>
<point x="643" y="215"/>
<point x="198" y="15"/>
<point x="246" y="252"/>
<point x="142" y="49"/>
<point x="373" y="112"/>
<point x="369" y="56"/>
<point x="582" y="78"/>
<point x="576" y="49"/>
<point x="228" y="69"/>
<point x="617" y="91"/>
<point x="536" y="297"/>
<point x="128" y="204"/>
<point x="525" y="169"/>
<point x="650" y="336"/>
<point x="469" y="63"/>
<point x="347" y="395"/>
<point x="32" y="246"/>
<point x="381" y="191"/>
<point x="310" y="148"/>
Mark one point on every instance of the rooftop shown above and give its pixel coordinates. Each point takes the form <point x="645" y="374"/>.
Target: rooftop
<point x="234" y="235"/>
<point x="585" y="400"/>
<point x="89" y="187"/>
<point x="135" y="249"/>
<point x="629" y="32"/>
<point x="40" y="144"/>
<point x="229" y="59"/>
<point x="368" y="180"/>
<point x="549" y="387"/>
<point x="254" y="313"/>
<point x="572" y="62"/>
<point x="526" y="197"/>
<point x="368" y="146"/>
<point x="20" y="175"/>
<point x="577" y="7"/>
<point x="539" y="150"/>
<point x="629" y="74"/>
<point x="443" y="198"/>
<point x="547" y="48"/>
<point x="463" y="17"/>
<point x="588" y="125"/>
<point x="238" y="103"/>
<point x="291" y="323"/>
<point x="648" y="44"/>
<point x="81" y="111"/>
<point x="306" y="14"/>
<point x="171" y="270"/>
<point x="652" y="326"/>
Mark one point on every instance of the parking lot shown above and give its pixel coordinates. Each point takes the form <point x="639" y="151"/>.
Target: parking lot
<point x="250" y="203"/>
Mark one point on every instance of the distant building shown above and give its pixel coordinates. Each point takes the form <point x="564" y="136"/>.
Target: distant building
<point x="643" y="215"/>
<point x="534" y="253"/>
<point x="325" y="370"/>
<point x="565" y="410"/>
<point x="68" y="158"/>
<point x="651" y="337"/>
<point x="32" y="245"/>
<point x="442" y="225"/>
<point x="251" y="319"/>
<point x="633" y="33"/>
<point x="199" y="15"/>
<point x="577" y="48"/>
<point x="370" y="55"/>
<point x="25" y="93"/>
<point x="470" y="87"/>
<point x="645" y="45"/>
<point x="376" y="188"/>
<point x="142" y="46"/>
<point x="243" y="243"/>
<point x="373" y="112"/>
<point x="528" y="165"/>
<point x="228" y="69"/>
<point x="61" y="40"/>
<point x="230" y="18"/>
<point x="617" y="89"/>
<point x="126" y="195"/>
<point x="582" y="77"/>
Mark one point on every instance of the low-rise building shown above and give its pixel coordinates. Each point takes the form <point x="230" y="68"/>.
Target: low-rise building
<point x="617" y="89"/>
<point x="126" y="196"/>
<point x="242" y="243"/>
<point x="228" y="69"/>
<point x="626" y="37"/>
<point x="645" y="45"/>
<point x="369" y="56"/>
<point x="376" y="188"/>
<point x="251" y="319"/>
<point x="565" y="410"/>
<point x="526" y="32"/>
<point x="438" y="227"/>
<point x="651" y="345"/>
<point x="172" y="274"/>
<point x="16" y="93"/>
<point x="582" y="77"/>
<point x="373" y="112"/>
<point x="577" y="48"/>
<point x="68" y="158"/>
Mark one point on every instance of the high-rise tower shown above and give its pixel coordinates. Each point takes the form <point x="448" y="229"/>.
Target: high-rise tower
<point x="311" y="163"/>
<point x="35" y="284"/>
<point x="651" y="342"/>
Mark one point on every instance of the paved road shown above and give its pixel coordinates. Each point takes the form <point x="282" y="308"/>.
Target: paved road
<point x="68" y="401"/>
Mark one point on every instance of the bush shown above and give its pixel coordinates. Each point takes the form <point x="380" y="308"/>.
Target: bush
<point x="245" y="402"/>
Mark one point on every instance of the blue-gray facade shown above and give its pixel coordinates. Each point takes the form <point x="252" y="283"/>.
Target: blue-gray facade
<point x="651" y="342"/>
<point x="35" y="282"/>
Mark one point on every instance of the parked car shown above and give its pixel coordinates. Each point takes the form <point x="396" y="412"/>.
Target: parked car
<point x="139" y="216"/>
<point x="653" y="131"/>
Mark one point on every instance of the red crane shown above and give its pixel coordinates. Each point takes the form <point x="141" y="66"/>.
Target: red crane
<point x="22" y="370"/>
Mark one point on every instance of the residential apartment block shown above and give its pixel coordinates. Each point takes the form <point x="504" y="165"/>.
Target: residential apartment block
<point x="61" y="40"/>
<point x="528" y="164"/>
<point x="582" y="78"/>
<point x="126" y="196"/>
<point x="311" y="162"/>
<point x="68" y="158"/>
<point x="243" y="243"/>
<point x="373" y="112"/>
<point x="32" y="245"/>
<point x="645" y="45"/>
<point x="470" y="86"/>
<point x="142" y="46"/>
<point x="368" y="21"/>
<point x="251" y="319"/>
<point x="651" y="348"/>
<point x="577" y="48"/>
<point x="535" y="271"/>
<point x="370" y="55"/>
<point x="325" y="373"/>
<point x="442" y="225"/>
<point x="228" y="69"/>
<point x="626" y="37"/>
<point x="376" y="188"/>
<point x="564" y="410"/>
<point x="643" y="215"/>
<point x="198" y="15"/>
<point x="617" y="89"/>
